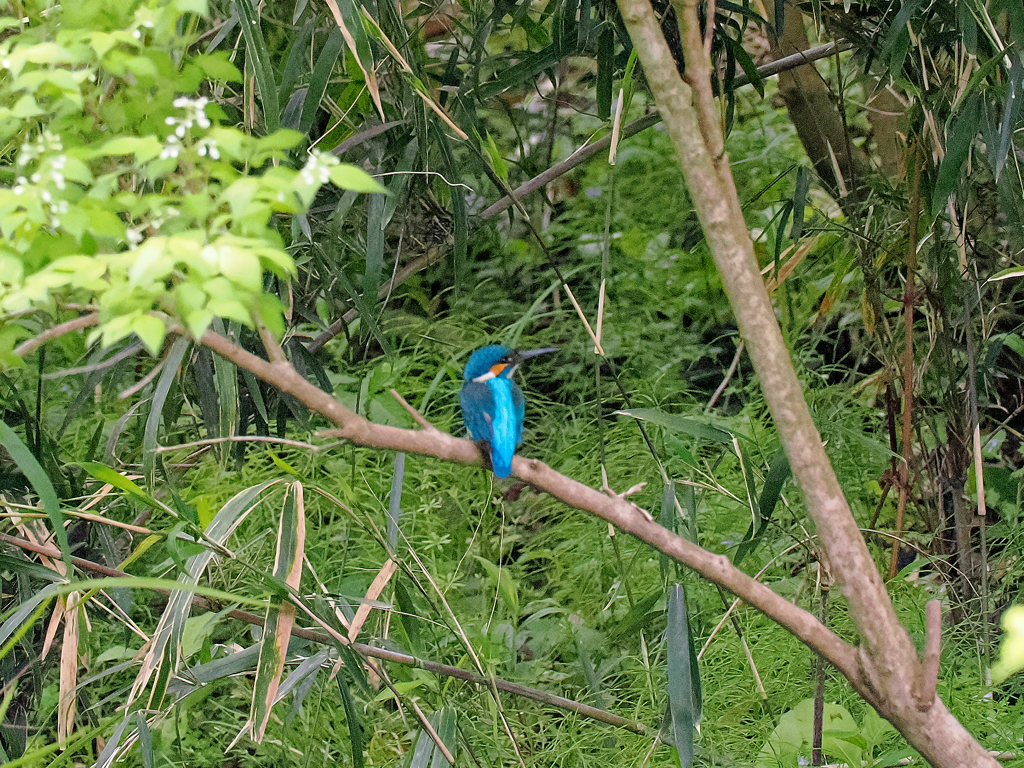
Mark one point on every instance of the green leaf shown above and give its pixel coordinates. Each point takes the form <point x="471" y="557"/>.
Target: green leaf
<point x="605" y="70"/>
<point x="674" y="423"/>
<point x="1011" y="649"/>
<point x="217" y="66"/>
<point x="105" y="474"/>
<point x="960" y="138"/>
<point x="681" y="690"/>
<point x="355" y="729"/>
<point x="36" y="475"/>
<point x="163" y="387"/>
<point x="151" y="331"/>
<point x="260" y="61"/>
<point x="779" y="472"/>
<point x="320" y="78"/>
<point x="348" y="176"/>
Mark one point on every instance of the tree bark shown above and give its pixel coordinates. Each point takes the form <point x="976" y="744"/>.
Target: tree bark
<point x="889" y="674"/>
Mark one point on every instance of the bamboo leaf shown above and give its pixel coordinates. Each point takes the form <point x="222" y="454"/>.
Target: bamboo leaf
<point x="320" y="77"/>
<point x="395" y="500"/>
<point x="349" y="21"/>
<point x="680" y="679"/>
<point x="803" y="185"/>
<point x="605" y="70"/>
<point x="355" y="730"/>
<point x="36" y="475"/>
<point x="291" y="543"/>
<point x="778" y="473"/>
<point x="961" y="136"/>
<point x="296" y="62"/>
<point x="676" y="423"/>
<point x="105" y="474"/>
<point x="163" y="655"/>
<point x="260" y="60"/>
<point x="374" y="248"/>
<point x="67" y="699"/>
<point x="163" y="387"/>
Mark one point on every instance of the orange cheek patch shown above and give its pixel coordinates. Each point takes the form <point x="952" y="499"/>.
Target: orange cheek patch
<point x="499" y="368"/>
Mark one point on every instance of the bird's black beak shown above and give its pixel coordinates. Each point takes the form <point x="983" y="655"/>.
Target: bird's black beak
<point x="528" y="353"/>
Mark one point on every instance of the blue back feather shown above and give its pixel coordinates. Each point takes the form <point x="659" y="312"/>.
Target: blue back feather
<point x="493" y="410"/>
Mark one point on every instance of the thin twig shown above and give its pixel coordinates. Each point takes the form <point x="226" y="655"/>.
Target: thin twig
<point x="378" y="653"/>
<point x="416" y="415"/>
<point x="728" y="376"/>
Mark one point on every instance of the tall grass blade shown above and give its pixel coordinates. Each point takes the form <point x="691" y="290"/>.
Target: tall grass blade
<point x="355" y="730"/>
<point x="35" y="474"/>
<point x="260" y="59"/>
<point x="163" y="387"/>
<point x="320" y="77"/>
<point x="291" y="545"/>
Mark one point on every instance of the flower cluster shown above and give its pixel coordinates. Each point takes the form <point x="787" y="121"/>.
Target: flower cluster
<point x="318" y="168"/>
<point x="46" y="143"/>
<point x="195" y="114"/>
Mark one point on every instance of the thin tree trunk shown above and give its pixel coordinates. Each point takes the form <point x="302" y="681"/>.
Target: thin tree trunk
<point x="890" y="675"/>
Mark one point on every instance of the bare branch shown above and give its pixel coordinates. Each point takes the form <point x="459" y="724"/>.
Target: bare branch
<point x="616" y="510"/>
<point x="85" y="321"/>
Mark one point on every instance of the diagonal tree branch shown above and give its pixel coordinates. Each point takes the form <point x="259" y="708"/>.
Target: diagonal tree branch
<point x="889" y="673"/>
<point x="617" y="511"/>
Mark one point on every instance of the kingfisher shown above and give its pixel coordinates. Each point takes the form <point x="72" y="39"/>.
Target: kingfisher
<point x="493" y="406"/>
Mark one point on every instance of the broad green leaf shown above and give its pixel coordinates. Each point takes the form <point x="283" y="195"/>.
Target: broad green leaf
<point x="676" y="423"/>
<point x="1011" y="649"/>
<point x="682" y="694"/>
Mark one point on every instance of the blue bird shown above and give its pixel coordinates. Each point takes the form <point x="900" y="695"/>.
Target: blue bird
<point x="493" y="406"/>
